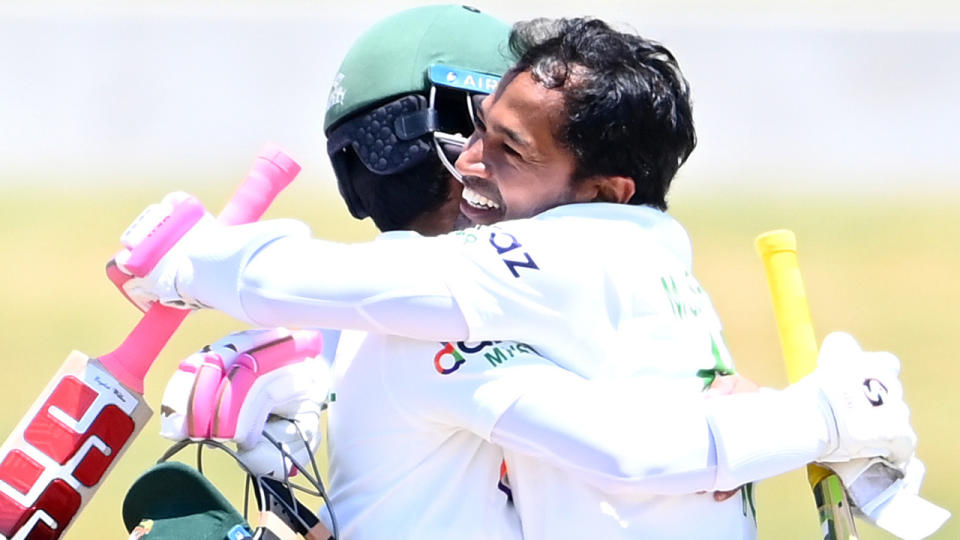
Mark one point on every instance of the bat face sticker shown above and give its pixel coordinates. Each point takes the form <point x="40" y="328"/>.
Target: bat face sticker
<point x="55" y="459"/>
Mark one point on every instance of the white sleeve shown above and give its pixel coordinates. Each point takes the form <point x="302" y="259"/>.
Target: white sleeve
<point x="650" y="435"/>
<point x="478" y="284"/>
<point x="392" y="287"/>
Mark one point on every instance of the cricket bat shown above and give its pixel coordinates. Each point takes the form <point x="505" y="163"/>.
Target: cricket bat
<point x="778" y="250"/>
<point x="89" y="413"/>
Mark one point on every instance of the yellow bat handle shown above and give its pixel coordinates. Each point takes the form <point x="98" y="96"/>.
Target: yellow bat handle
<point x="778" y="250"/>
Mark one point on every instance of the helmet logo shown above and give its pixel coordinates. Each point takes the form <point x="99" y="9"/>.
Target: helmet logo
<point x="337" y="93"/>
<point x="142" y="529"/>
<point x="462" y="79"/>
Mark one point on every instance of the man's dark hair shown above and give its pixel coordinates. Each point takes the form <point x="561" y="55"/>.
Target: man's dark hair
<point x="394" y="201"/>
<point x="626" y="103"/>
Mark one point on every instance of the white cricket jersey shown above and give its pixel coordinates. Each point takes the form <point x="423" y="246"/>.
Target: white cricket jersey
<point x="610" y="294"/>
<point x="404" y="459"/>
<point x="412" y="421"/>
<point x="603" y="290"/>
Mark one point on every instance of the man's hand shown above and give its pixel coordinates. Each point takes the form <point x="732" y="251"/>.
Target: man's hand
<point x="723" y="386"/>
<point x="731" y="384"/>
<point x="861" y="391"/>
<point x="176" y="238"/>
<point x="230" y="389"/>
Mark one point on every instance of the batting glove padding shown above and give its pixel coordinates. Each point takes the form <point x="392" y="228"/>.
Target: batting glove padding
<point x="888" y="496"/>
<point x="850" y="407"/>
<point x="865" y="397"/>
<point x="228" y="391"/>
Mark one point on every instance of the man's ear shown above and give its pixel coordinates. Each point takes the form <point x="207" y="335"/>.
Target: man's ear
<point x="612" y="189"/>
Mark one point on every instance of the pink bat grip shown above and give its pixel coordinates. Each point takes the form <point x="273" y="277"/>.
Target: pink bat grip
<point x="272" y="171"/>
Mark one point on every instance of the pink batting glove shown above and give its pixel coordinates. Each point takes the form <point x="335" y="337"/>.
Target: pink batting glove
<point x="228" y="390"/>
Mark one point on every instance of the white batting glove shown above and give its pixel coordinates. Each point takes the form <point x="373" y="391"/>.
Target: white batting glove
<point x="888" y="496"/>
<point x="298" y="433"/>
<point x="228" y="390"/>
<point x="863" y="401"/>
<point x="150" y="268"/>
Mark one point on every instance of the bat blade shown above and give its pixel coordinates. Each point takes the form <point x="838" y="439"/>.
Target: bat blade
<point x="778" y="251"/>
<point x="69" y="440"/>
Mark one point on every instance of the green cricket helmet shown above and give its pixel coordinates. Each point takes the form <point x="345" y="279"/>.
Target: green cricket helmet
<point x="406" y="90"/>
<point x="173" y="500"/>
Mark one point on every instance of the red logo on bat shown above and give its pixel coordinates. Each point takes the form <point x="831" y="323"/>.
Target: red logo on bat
<point x="51" y="437"/>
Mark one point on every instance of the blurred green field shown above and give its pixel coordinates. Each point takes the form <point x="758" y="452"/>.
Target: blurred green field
<point x="883" y="268"/>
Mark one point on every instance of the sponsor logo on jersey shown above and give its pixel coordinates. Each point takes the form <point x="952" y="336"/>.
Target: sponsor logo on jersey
<point x="875" y="391"/>
<point x="687" y="299"/>
<point x="510" y="251"/>
<point x="504" y="483"/>
<point x="453" y="355"/>
<point x="507" y="246"/>
<point x="447" y="360"/>
<point x="468" y="236"/>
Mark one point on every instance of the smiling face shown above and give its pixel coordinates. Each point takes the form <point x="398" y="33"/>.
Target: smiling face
<point x="513" y="165"/>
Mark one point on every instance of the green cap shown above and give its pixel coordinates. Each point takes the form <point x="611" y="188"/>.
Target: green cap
<point x="392" y="58"/>
<point x="174" y="501"/>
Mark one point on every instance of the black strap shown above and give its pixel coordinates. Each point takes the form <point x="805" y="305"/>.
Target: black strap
<point x="279" y="501"/>
<point x="416" y="124"/>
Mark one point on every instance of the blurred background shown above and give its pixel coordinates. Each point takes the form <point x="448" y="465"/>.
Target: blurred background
<point x="832" y="118"/>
